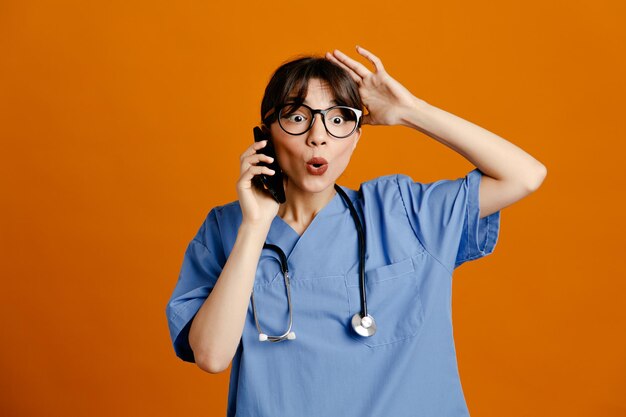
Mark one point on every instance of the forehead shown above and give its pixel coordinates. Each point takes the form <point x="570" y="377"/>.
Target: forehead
<point x="318" y="90"/>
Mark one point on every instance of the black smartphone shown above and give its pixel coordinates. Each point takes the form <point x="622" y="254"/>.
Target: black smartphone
<point x="269" y="183"/>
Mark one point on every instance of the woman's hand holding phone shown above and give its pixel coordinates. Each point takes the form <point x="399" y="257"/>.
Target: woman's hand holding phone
<point x="257" y="206"/>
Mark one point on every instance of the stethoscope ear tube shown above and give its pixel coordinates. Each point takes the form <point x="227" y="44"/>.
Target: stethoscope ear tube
<point x="362" y="323"/>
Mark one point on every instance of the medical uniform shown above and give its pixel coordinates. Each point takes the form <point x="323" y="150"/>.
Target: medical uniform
<point x="416" y="235"/>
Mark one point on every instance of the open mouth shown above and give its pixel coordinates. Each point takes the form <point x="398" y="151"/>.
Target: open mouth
<point x="317" y="166"/>
<point x="317" y="169"/>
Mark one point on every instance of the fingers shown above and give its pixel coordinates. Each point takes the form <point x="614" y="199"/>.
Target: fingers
<point x="378" y="64"/>
<point x="255" y="159"/>
<point x="355" y="66"/>
<point x="252" y="149"/>
<point x="352" y="74"/>
<point x="247" y="176"/>
<point x="256" y="170"/>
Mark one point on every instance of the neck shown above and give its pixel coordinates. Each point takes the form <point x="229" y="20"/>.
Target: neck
<point x="301" y="208"/>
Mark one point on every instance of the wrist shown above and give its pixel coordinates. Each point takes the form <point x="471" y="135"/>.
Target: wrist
<point x="414" y="114"/>
<point x="255" y="227"/>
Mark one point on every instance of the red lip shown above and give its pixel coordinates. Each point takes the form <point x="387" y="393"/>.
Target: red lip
<point x="317" y="166"/>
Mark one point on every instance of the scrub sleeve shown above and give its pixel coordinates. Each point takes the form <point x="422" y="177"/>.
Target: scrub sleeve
<point x="444" y="216"/>
<point x="202" y="265"/>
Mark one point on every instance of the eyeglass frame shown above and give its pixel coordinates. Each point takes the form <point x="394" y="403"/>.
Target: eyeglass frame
<point x="278" y="111"/>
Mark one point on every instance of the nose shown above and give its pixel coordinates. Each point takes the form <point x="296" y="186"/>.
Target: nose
<point x="317" y="135"/>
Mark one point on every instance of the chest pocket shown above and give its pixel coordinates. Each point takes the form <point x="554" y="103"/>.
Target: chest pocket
<point x="393" y="299"/>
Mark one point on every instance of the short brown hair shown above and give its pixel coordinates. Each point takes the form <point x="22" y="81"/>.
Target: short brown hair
<point x="290" y="82"/>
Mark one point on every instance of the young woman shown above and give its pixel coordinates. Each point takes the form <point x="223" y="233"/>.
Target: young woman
<point x="338" y="302"/>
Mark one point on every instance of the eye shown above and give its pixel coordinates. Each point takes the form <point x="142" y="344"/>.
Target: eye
<point x="296" y="118"/>
<point x="337" y="120"/>
<point x="298" y="115"/>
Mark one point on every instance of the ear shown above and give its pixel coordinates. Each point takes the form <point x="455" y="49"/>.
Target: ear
<point x="356" y="138"/>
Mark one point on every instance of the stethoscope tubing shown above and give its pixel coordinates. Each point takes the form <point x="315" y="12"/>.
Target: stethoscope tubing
<point x="284" y="268"/>
<point x="357" y="322"/>
<point x="360" y="234"/>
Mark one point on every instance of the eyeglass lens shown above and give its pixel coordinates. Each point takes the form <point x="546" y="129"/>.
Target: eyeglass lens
<point x="339" y="121"/>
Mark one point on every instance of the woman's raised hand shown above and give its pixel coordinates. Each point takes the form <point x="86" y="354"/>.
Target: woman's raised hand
<point x="257" y="207"/>
<point x="386" y="99"/>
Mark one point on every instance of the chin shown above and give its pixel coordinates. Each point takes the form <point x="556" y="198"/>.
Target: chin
<point x="316" y="185"/>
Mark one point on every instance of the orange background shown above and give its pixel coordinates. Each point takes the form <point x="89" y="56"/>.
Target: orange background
<point x="122" y="124"/>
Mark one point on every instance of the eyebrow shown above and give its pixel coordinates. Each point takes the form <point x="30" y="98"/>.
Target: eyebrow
<point x="332" y="102"/>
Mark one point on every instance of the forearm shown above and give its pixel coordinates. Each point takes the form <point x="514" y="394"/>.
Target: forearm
<point x="218" y="325"/>
<point x="493" y="155"/>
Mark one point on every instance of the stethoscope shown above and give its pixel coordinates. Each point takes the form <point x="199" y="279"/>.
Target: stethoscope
<point x="362" y="323"/>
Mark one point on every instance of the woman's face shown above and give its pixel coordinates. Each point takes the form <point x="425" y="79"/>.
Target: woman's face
<point x="293" y="152"/>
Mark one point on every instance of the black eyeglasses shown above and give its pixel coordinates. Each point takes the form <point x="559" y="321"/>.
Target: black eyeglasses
<point x="297" y="119"/>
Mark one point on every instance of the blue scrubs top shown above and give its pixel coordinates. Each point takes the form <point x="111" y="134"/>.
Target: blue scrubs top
<point x="416" y="234"/>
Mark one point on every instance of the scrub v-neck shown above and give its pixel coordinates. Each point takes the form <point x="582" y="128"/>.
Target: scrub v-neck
<point x="312" y="221"/>
<point x="285" y="236"/>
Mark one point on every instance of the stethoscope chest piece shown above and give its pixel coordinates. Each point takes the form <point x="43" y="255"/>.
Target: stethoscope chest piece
<point x="364" y="326"/>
